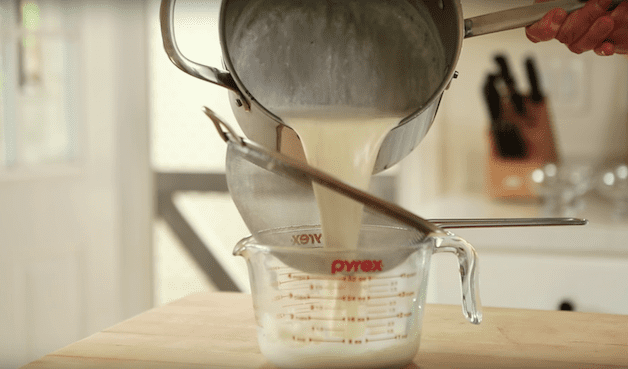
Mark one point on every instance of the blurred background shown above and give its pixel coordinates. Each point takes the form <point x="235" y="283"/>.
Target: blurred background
<point x="112" y="190"/>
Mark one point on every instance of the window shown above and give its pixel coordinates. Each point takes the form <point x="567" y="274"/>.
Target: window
<point x="39" y="103"/>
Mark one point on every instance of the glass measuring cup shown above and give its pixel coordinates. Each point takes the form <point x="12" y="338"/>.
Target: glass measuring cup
<point x="318" y="307"/>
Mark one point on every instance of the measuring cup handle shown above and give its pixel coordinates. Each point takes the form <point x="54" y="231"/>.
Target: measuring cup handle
<point x="468" y="259"/>
<point x="209" y="74"/>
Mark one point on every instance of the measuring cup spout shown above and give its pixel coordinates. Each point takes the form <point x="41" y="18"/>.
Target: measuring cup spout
<point x="468" y="259"/>
<point x="241" y="248"/>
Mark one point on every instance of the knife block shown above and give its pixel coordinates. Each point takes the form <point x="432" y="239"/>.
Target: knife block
<point x="509" y="178"/>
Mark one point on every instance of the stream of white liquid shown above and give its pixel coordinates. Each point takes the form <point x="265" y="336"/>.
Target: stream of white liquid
<point x="343" y="142"/>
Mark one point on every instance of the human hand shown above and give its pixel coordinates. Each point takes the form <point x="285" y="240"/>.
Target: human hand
<point x="593" y="27"/>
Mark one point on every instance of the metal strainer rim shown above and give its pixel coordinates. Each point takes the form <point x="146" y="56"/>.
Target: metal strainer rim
<point x="282" y="164"/>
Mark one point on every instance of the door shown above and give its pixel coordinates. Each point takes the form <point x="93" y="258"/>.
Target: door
<point x="75" y="183"/>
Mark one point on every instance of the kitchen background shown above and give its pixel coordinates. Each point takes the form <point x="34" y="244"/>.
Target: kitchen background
<point x="111" y="187"/>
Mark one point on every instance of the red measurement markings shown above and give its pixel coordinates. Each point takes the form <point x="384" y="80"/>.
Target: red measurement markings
<point x="326" y="329"/>
<point x="305" y="287"/>
<point x="395" y="316"/>
<point x="309" y="308"/>
<point x="349" y="341"/>
<point x="349" y="319"/>
<point x="298" y="304"/>
<point x="403" y="275"/>
<point x="309" y="317"/>
<point x="347" y="298"/>
<point x="281" y="297"/>
<point x="396" y="337"/>
<point x="294" y="276"/>
<point x="324" y="340"/>
<point x="401" y="294"/>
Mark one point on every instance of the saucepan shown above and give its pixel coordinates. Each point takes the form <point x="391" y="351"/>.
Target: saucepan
<point x="398" y="56"/>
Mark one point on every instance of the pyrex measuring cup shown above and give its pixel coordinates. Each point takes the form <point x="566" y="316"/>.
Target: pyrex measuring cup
<point x="318" y="307"/>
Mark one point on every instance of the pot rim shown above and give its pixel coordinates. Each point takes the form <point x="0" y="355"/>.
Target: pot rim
<point x="434" y="99"/>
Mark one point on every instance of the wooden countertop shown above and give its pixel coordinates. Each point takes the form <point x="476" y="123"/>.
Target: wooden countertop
<point x="217" y="330"/>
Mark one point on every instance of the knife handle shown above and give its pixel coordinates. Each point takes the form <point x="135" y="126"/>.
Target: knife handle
<point x="493" y="98"/>
<point x="535" y="90"/>
<point x="514" y="95"/>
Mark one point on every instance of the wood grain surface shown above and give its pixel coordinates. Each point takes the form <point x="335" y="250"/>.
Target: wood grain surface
<point x="217" y="330"/>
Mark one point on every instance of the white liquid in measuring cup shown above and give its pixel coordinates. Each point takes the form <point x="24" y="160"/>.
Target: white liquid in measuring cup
<point x="367" y="321"/>
<point x="287" y="353"/>
<point x="343" y="142"/>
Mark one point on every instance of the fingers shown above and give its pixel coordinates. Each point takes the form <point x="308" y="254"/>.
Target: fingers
<point x="547" y="28"/>
<point x="619" y="37"/>
<point x="605" y="49"/>
<point x="620" y="41"/>
<point x="579" y="22"/>
<point x="590" y="28"/>
<point x="617" y="41"/>
<point x="620" y="15"/>
<point x="595" y="37"/>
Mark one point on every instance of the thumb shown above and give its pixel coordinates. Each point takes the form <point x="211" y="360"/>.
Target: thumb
<point x="547" y="28"/>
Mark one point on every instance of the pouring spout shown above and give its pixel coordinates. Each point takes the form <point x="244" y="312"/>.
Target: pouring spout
<point x="240" y="248"/>
<point x="243" y="248"/>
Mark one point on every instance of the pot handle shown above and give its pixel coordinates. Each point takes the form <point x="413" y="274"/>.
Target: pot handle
<point x="468" y="259"/>
<point x="209" y="74"/>
<point x="519" y="17"/>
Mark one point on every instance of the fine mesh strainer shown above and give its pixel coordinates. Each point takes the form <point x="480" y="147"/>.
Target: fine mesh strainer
<point x="267" y="187"/>
<point x="273" y="192"/>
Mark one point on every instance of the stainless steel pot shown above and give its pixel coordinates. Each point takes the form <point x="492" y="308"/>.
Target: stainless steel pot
<point x="266" y="128"/>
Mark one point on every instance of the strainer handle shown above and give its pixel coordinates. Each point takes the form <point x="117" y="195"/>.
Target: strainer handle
<point x="468" y="259"/>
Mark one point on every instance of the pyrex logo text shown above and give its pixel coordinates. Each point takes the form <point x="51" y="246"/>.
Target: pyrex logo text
<point x="304" y="239"/>
<point x="354" y="265"/>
